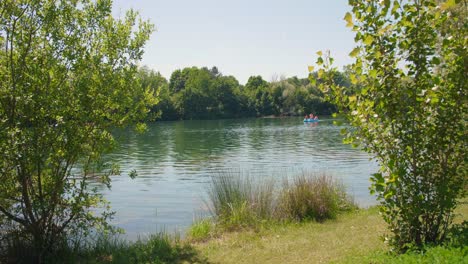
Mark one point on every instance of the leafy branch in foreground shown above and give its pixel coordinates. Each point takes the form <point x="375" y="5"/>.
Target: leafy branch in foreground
<point x="408" y="103"/>
<point x="68" y="76"/>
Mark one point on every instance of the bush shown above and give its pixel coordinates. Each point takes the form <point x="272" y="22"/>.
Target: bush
<point x="408" y="105"/>
<point x="315" y="197"/>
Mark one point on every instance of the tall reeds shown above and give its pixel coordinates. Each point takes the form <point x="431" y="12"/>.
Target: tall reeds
<point x="237" y="201"/>
<point x="312" y="197"/>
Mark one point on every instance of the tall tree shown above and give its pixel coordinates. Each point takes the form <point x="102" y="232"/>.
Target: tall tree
<point x="68" y="77"/>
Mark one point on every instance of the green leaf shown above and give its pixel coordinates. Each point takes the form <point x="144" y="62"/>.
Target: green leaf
<point x="368" y="40"/>
<point x="319" y="61"/>
<point x="396" y="6"/>
<point x="313" y="81"/>
<point x="349" y="19"/>
<point x="448" y="4"/>
<point x="320" y="73"/>
<point x="353" y="79"/>
<point x="355" y="52"/>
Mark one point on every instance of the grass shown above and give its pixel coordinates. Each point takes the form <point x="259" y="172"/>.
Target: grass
<point x="158" y="248"/>
<point x="353" y="237"/>
<point x="254" y="214"/>
<point x="351" y="234"/>
<point x="448" y="255"/>
<point x="201" y="230"/>
<point x="313" y="197"/>
<point x="237" y="202"/>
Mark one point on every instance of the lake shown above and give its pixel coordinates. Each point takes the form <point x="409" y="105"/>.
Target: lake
<point x="175" y="161"/>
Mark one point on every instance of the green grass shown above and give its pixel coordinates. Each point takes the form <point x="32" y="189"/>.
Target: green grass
<point x="157" y="248"/>
<point x="353" y="237"/>
<point x="313" y="197"/>
<point x="238" y="203"/>
<point x="351" y="234"/>
<point x="201" y="230"/>
<point x="441" y="255"/>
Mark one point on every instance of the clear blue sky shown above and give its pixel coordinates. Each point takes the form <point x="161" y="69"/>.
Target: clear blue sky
<point x="243" y="37"/>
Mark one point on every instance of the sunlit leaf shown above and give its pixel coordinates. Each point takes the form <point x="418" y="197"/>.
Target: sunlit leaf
<point x="349" y="19"/>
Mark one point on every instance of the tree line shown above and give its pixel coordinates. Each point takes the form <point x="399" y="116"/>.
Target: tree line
<point x="203" y="93"/>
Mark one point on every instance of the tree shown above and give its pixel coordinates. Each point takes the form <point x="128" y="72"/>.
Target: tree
<point x="408" y="103"/>
<point x="177" y="80"/>
<point x="154" y="81"/>
<point x="67" y="71"/>
<point x="259" y="95"/>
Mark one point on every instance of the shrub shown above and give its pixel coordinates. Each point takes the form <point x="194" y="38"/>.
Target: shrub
<point x="60" y="99"/>
<point x="316" y="197"/>
<point x="408" y="104"/>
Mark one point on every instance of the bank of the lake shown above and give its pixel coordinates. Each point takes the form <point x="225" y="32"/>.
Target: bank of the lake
<point x="353" y="237"/>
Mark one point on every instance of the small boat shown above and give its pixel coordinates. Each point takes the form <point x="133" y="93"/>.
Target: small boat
<point x="310" y="120"/>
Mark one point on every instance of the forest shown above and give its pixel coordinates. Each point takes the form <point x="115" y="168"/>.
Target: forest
<point x="203" y="93"/>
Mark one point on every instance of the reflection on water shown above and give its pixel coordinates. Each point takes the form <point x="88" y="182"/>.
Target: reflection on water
<point x="175" y="160"/>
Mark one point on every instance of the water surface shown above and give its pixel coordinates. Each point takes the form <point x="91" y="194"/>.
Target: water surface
<point x="175" y="160"/>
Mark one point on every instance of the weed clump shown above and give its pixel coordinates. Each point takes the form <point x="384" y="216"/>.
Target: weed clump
<point x="313" y="197"/>
<point x="238" y="202"/>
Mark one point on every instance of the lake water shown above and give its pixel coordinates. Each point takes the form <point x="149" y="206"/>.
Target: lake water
<point x="175" y="160"/>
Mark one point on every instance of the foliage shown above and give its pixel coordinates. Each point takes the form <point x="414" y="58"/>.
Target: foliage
<point x="68" y="73"/>
<point x="315" y="197"/>
<point x="202" y="93"/>
<point x="408" y="103"/>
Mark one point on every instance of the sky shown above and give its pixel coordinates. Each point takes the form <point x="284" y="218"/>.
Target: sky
<point x="243" y="38"/>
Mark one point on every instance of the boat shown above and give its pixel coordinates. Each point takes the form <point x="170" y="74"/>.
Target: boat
<point x="310" y="120"/>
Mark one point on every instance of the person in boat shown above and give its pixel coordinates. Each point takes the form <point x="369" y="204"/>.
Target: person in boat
<point x="311" y="116"/>
<point x="316" y="117"/>
<point x="305" y="117"/>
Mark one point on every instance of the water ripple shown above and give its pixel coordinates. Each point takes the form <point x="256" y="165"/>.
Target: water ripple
<point x="175" y="160"/>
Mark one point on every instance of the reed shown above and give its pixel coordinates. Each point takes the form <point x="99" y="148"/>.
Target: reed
<point x="237" y="201"/>
<point x="312" y="197"/>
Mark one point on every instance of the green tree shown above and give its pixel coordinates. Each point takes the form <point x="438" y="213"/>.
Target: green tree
<point x="67" y="71"/>
<point x="225" y="95"/>
<point x="154" y="81"/>
<point x="408" y="103"/>
<point x="259" y="95"/>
